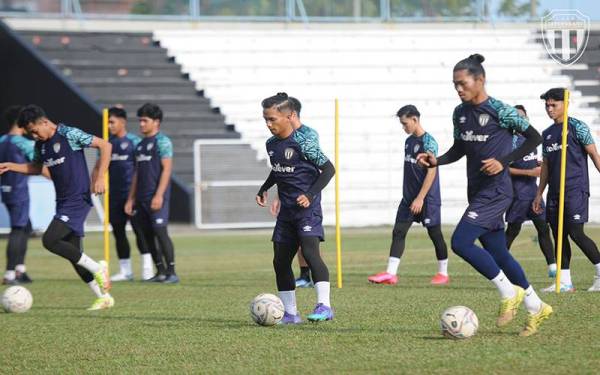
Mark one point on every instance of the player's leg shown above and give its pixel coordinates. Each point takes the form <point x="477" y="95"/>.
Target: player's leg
<point x="404" y="220"/>
<point x="441" y="254"/>
<point x="320" y="275"/>
<point x="118" y="220"/>
<point x="512" y="231"/>
<point x="304" y="280"/>
<point x="566" y="285"/>
<point x="145" y="255"/>
<point x="283" y="256"/>
<point x="12" y="254"/>
<point x="589" y="248"/>
<point x="142" y="213"/>
<point x="17" y="243"/>
<point x="160" y="221"/>
<point x="20" y="268"/>
<point x="543" y="235"/>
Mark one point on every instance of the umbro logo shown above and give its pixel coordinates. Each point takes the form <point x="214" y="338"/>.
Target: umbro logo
<point x="306" y="228"/>
<point x="549" y="136"/>
<point x="427" y="221"/>
<point x="472" y="215"/>
<point x="271" y="153"/>
<point x="576" y="217"/>
<point x="64" y="218"/>
<point x="462" y="119"/>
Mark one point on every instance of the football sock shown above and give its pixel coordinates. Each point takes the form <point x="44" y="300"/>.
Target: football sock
<point x="288" y="297"/>
<point x="88" y="263"/>
<point x="125" y="265"/>
<point x="552" y="267"/>
<point x="505" y="287"/>
<point x="392" y="266"/>
<point x="323" y="289"/>
<point x="10" y="275"/>
<point x="533" y="303"/>
<point x="565" y="277"/>
<point x="443" y="267"/>
<point x="597" y="267"/>
<point x="20" y="268"/>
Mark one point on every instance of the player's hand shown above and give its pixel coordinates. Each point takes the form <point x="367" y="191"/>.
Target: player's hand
<point x="491" y="167"/>
<point x="535" y="172"/>
<point x="536" y="206"/>
<point x="128" y="207"/>
<point x="98" y="185"/>
<point x="261" y="200"/>
<point x="156" y="203"/>
<point x="426" y="160"/>
<point x="274" y="207"/>
<point x="417" y="206"/>
<point x="4" y="167"/>
<point x="303" y="201"/>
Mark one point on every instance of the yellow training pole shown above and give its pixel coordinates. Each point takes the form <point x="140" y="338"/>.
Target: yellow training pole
<point x="561" y="199"/>
<point x="338" y="233"/>
<point x="106" y="209"/>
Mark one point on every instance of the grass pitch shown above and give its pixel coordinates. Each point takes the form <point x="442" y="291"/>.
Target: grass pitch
<point x="203" y="325"/>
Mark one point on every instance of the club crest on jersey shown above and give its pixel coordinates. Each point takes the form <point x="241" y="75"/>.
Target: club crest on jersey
<point x="56" y="147"/>
<point x="271" y="153"/>
<point x="565" y="33"/>
<point x="124" y="145"/>
<point x="416" y="148"/>
<point x="139" y="148"/>
<point x="288" y="153"/>
<point x="484" y="118"/>
<point x="149" y="146"/>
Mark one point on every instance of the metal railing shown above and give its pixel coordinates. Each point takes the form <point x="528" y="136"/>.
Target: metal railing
<point x="254" y="10"/>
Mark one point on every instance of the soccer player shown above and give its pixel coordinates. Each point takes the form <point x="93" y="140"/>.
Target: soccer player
<point x="304" y="280"/>
<point x="577" y="185"/>
<point x="14" y="147"/>
<point x="60" y="148"/>
<point x="150" y="192"/>
<point x="120" y="172"/>
<point x="420" y="200"/>
<point x="483" y="128"/>
<point x="524" y="173"/>
<point x="301" y="171"/>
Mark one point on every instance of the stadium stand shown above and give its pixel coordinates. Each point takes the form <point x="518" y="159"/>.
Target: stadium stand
<point x="373" y="73"/>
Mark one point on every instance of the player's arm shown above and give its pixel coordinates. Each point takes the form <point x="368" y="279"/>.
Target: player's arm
<point x="592" y="151"/>
<point x="327" y="173"/>
<point x="417" y="204"/>
<point x="537" y="202"/>
<point x="261" y="196"/>
<point x="165" y="150"/>
<point x="105" y="148"/>
<point x="32" y="168"/>
<point x="428" y="160"/>
<point x="534" y="172"/>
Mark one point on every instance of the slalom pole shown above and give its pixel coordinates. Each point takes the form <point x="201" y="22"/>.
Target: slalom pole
<point x="106" y="199"/>
<point x="338" y="233"/>
<point x="561" y="199"/>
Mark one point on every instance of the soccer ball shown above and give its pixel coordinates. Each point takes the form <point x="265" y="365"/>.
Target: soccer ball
<point x="459" y="322"/>
<point x="16" y="299"/>
<point x="266" y="309"/>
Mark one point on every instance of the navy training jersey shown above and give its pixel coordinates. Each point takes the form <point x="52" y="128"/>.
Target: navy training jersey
<point x="579" y="136"/>
<point x="15" y="149"/>
<point x="148" y="156"/>
<point x="414" y="175"/>
<point x="524" y="187"/>
<point x="122" y="164"/>
<point x="485" y="131"/>
<point x="63" y="155"/>
<point x="309" y="132"/>
<point x="295" y="163"/>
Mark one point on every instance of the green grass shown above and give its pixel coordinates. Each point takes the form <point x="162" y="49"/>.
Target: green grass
<point x="203" y="325"/>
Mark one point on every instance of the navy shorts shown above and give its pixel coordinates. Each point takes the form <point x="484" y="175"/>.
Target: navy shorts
<point x="430" y="215"/>
<point x="73" y="213"/>
<point x="18" y="213"/>
<point x="521" y="211"/>
<point x="486" y="209"/>
<point x="146" y="216"/>
<point x="576" y="208"/>
<point x="295" y="223"/>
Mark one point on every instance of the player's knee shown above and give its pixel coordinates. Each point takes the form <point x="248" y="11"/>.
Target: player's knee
<point x="459" y="243"/>
<point x="49" y="241"/>
<point x="399" y="231"/>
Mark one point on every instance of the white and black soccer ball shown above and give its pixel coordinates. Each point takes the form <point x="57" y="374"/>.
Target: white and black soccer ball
<point x="266" y="309"/>
<point x="16" y="299"/>
<point x="459" y="322"/>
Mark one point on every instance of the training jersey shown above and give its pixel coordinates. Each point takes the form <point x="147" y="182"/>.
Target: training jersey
<point x="148" y="156"/>
<point x="524" y="187"/>
<point x="579" y="136"/>
<point x="414" y="175"/>
<point x="122" y="164"/>
<point x="63" y="155"/>
<point x="15" y="149"/>
<point x="485" y="131"/>
<point x="295" y="163"/>
<point x="308" y="132"/>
